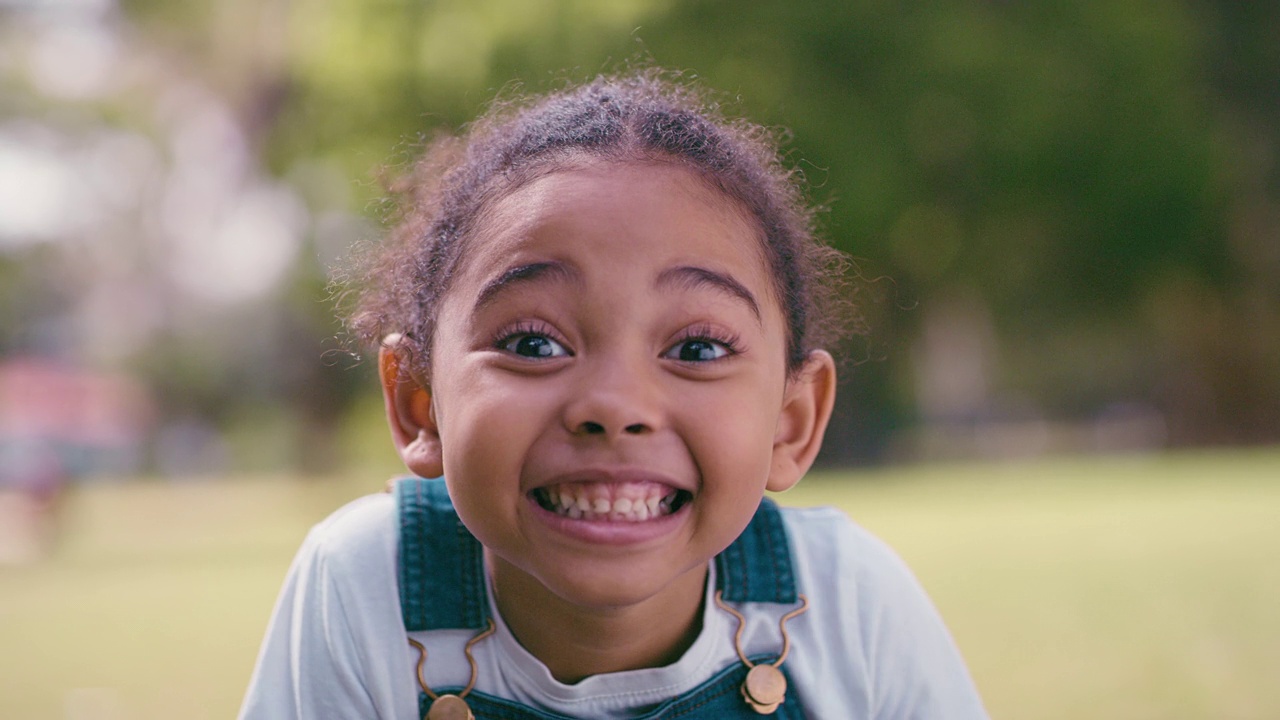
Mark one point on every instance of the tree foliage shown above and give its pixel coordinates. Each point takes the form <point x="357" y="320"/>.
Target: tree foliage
<point x="1099" y="179"/>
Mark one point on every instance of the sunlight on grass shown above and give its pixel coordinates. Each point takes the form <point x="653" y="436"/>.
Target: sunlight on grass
<point x="1140" y="587"/>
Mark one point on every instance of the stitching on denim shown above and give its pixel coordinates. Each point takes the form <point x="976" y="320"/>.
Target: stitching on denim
<point x="779" y="552"/>
<point x="472" y="581"/>
<point x="411" y="589"/>
<point x="743" y="575"/>
<point x="776" y="560"/>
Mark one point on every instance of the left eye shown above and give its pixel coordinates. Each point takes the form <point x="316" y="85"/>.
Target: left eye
<point x="697" y="350"/>
<point x="534" y="346"/>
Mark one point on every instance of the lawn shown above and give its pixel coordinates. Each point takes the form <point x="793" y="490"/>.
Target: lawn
<point x="1133" y="587"/>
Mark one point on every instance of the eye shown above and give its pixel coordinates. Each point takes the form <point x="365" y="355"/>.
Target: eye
<point x="698" y="350"/>
<point x="532" y="345"/>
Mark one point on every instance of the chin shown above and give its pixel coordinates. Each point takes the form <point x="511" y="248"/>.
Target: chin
<point x="617" y="587"/>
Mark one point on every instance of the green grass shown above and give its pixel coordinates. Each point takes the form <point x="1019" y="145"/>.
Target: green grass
<point x="1143" y="587"/>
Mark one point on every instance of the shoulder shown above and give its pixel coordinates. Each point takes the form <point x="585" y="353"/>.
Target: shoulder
<point x="344" y="583"/>
<point x="363" y="527"/>
<point x="846" y="569"/>
<point x="888" y="634"/>
<point x="325" y="652"/>
<point x="818" y="523"/>
<point x="826" y="540"/>
<point x="350" y="553"/>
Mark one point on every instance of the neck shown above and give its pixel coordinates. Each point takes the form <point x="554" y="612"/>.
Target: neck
<point x="574" y="641"/>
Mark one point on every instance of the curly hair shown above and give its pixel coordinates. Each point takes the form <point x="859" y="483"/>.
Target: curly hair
<point x="644" y="116"/>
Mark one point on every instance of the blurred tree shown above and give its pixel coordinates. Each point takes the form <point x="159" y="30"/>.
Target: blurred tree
<point x="1094" y="182"/>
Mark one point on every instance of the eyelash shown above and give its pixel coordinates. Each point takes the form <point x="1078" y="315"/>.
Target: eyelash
<point x="707" y="333"/>
<point x="525" y="328"/>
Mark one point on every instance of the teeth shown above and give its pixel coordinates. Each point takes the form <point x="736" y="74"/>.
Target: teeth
<point x="599" y="502"/>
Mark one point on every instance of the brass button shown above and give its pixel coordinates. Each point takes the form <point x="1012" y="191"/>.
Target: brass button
<point x="764" y="689"/>
<point x="449" y="707"/>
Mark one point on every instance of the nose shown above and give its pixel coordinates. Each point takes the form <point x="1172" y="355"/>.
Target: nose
<point x="615" y="402"/>
<point x="591" y="427"/>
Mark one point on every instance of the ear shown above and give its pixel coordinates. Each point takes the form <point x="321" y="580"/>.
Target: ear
<point x="409" y="413"/>
<point x="806" y="408"/>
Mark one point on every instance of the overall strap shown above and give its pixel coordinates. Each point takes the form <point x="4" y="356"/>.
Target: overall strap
<point x="442" y="586"/>
<point x="757" y="566"/>
<point x="441" y="564"/>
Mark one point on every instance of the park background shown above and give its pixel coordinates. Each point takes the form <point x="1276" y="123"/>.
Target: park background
<point x="1063" y="413"/>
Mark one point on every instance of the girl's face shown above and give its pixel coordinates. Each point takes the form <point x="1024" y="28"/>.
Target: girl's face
<point x="608" y="383"/>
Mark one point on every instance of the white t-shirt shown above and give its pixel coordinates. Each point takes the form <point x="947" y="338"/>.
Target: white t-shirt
<point x="871" y="644"/>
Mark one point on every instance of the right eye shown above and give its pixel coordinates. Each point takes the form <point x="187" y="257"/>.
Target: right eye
<point x="532" y="345"/>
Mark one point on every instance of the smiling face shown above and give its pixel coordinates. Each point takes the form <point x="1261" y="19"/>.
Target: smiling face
<point x="609" y="396"/>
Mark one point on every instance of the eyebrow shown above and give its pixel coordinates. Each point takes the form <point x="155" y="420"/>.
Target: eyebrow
<point x="691" y="276"/>
<point x="519" y="275"/>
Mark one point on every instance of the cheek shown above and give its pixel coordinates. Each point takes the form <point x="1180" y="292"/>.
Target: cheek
<point x="488" y="426"/>
<point x="735" y="435"/>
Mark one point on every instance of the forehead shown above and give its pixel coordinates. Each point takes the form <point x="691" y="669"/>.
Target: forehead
<point x="619" y="216"/>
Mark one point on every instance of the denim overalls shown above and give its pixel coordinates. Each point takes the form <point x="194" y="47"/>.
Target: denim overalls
<point x="442" y="586"/>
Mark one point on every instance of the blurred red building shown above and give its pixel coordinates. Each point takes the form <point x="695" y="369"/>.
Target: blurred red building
<point x="58" y="424"/>
<point x="61" y="421"/>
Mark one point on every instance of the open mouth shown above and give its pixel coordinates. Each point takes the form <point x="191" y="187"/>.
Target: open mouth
<point x="594" y="503"/>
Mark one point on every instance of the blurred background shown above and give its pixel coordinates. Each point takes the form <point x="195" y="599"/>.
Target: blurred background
<point x="1066" y="218"/>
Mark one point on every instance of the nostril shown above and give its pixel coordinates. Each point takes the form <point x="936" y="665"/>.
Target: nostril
<point x="635" y="429"/>
<point x="592" y="428"/>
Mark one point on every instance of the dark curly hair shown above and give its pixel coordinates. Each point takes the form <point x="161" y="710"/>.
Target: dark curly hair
<point x="643" y="116"/>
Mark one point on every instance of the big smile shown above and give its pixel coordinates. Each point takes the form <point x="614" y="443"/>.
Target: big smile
<point x="610" y="502"/>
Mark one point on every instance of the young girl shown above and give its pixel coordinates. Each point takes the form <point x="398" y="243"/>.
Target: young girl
<point x="600" y="325"/>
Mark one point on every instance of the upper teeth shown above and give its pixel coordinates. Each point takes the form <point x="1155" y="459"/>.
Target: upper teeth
<point x="592" y="503"/>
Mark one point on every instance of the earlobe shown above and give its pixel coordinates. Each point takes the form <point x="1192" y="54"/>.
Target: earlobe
<point x="410" y="414"/>
<point x="806" y="409"/>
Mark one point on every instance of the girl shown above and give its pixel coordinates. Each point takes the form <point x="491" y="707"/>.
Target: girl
<point x="600" y="325"/>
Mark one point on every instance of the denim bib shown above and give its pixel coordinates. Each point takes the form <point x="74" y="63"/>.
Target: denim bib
<point x="442" y="587"/>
